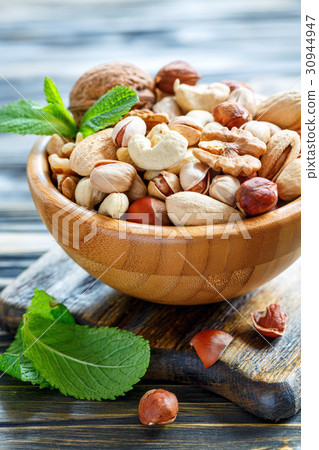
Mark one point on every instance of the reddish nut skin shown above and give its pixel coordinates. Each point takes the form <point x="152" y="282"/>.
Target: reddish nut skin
<point x="256" y="196"/>
<point x="231" y="114"/>
<point x="232" y="84"/>
<point x="272" y="322"/>
<point x="158" y="407"/>
<point x="210" y="345"/>
<point x="243" y="178"/>
<point x="162" y="185"/>
<point x="166" y="76"/>
<point x="149" y="211"/>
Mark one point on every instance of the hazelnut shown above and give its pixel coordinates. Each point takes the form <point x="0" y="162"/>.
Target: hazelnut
<point x="114" y="205"/>
<point x="165" y="78"/>
<point x="256" y="196"/>
<point x="100" y="79"/>
<point x="158" y="407"/>
<point x="86" y="195"/>
<point x="232" y="84"/>
<point x="126" y="128"/>
<point x="231" y="114"/>
<point x="149" y="211"/>
<point x="271" y="322"/>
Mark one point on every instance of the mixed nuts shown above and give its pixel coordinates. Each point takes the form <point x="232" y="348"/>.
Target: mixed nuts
<point x="186" y="154"/>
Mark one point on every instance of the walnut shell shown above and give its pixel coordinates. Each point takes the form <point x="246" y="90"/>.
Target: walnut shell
<point x="97" y="81"/>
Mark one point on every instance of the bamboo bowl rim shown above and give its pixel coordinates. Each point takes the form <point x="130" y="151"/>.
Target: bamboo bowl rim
<point x="38" y="174"/>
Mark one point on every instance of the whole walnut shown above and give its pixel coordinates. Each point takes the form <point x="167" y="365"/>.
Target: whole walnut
<point x="97" y="81"/>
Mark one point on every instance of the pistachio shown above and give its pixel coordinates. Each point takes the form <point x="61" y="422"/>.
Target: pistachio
<point x="163" y="185"/>
<point x="137" y="190"/>
<point x="188" y="127"/>
<point x="112" y="176"/>
<point x="282" y="109"/>
<point x="86" y="195"/>
<point x="289" y="181"/>
<point x="191" y="208"/>
<point x="223" y="188"/>
<point x="202" y="96"/>
<point x="195" y="177"/>
<point x="126" y="128"/>
<point x="92" y="149"/>
<point x="245" y="97"/>
<point x="189" y="157"/>
<point x="114" y="205"/>
<point x="260" y="130"/>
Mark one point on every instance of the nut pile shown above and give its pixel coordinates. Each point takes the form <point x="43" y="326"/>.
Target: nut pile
<point x="201" y="153"/>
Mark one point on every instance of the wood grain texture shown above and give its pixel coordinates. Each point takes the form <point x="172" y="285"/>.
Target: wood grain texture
<point x="169" y="265"/>
<point x="261" y="375"/>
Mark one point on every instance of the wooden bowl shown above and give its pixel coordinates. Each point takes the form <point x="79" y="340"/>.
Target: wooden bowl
<point x="199" y="265"/>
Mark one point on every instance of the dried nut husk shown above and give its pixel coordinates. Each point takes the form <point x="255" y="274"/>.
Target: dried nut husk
<point x="126" y="128"/>
<point x="289" y="181"/>
<point x="86" y="195"/>
<point x="260" y="130"/>
<point x="282" y="148"/>
<point x="123" y="155"/>
<point x="223" y="188"/>
<point x="245" y="97"/>
<point x="222" y="157"/>
<point x="169" y="151"/>
<point x="137" y="190"/>
<point x="166" y="76"/>
<point x="191" y="208"/>
<point x="231" y="114"/>
<point x="204" y="117"/>
<point x="195" y="177"/>
<point x="202" y="96"/>
<point x="163" y="185"/>
<point x="112" y="176"/>
<point x="67" y="149"/>
<point x="114" y="205"/>
<point x="60" y="165"/>
<point x="68" y="187"/>
<point x="189" y="157"/>
<point x="56" y="143"/>
<point x="282" y="109"/>
<point x="100" y="79"/>
<point x="150" y="118"/>
<point x="168" y="105"/>
<point x="92" y="149"/>
<point x="150" y="174"/>
<point x="188" y="127"/>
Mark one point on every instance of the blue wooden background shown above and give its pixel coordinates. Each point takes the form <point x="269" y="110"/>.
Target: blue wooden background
<point x="254" y="40"/>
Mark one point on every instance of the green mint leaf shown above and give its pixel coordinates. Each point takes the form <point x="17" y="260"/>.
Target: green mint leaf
<point x="51" y="92"/>
<point x="108" y="110"/>
<point x="13" y="362"/>
<point x="87" y="363"/>
<point x="27" y="117"/>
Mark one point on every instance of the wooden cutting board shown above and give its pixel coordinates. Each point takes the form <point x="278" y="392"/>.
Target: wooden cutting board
<point x="262" y="377"/>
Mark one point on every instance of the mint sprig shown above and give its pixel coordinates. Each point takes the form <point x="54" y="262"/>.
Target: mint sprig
<point x="87" y="363"/>
<point x="28" y="117"/>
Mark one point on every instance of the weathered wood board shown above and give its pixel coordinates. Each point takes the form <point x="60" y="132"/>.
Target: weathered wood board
<point x="262" y="377"/>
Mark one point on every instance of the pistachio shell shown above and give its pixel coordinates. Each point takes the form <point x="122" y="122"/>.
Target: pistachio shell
<point x="112" y="176"/>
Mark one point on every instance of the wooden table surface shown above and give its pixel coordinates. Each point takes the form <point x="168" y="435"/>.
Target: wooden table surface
<point x="254" y="41"/>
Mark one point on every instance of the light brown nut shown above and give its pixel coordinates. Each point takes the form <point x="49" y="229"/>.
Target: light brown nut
<point x="86" y="195"/>
<point x="282" y="148"/>
<point x="289" y="181"/>
<point x="150" y="118"/>
<point x="123" y="155"/>
<point x="97" y="81"/>
<point x="222" y="157"/>
<point x="56" y="143"/>
<point x="137" y="190"/>
<point x="282" y="109"/>
<point x="126" y="128"/>
<point x="67" y="149"/>
<point x="168" y="106"/>
<point x="191" y="208"/>
<point x="231" y="114"/>
<point x="92" y="149"/>
<point x="245" y="97"/>
<point x="60" y="177"/>
<point x="163" y="185"/>
<point x="148" y="175"/>
<point x="188" y="127"/>
<point x="60" y="165"/>
<point x="112" y="176"/>
<point x="114" y="205"/>
<point x="189" y="157"/>
<point x="223" y="188"/>
<point x="202" y="116"/>
<point x="195" y="177"/>
<point x="166" y="76"/>
<point x="202" y="96"/>
<point x="242" y="141"/>
<point x="68" y="187"/>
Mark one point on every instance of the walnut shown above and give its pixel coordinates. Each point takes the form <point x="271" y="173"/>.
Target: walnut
<point x="97" y="81"/>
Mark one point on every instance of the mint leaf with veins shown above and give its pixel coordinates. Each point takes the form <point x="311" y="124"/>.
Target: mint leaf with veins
<point x="87" y="363"/>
